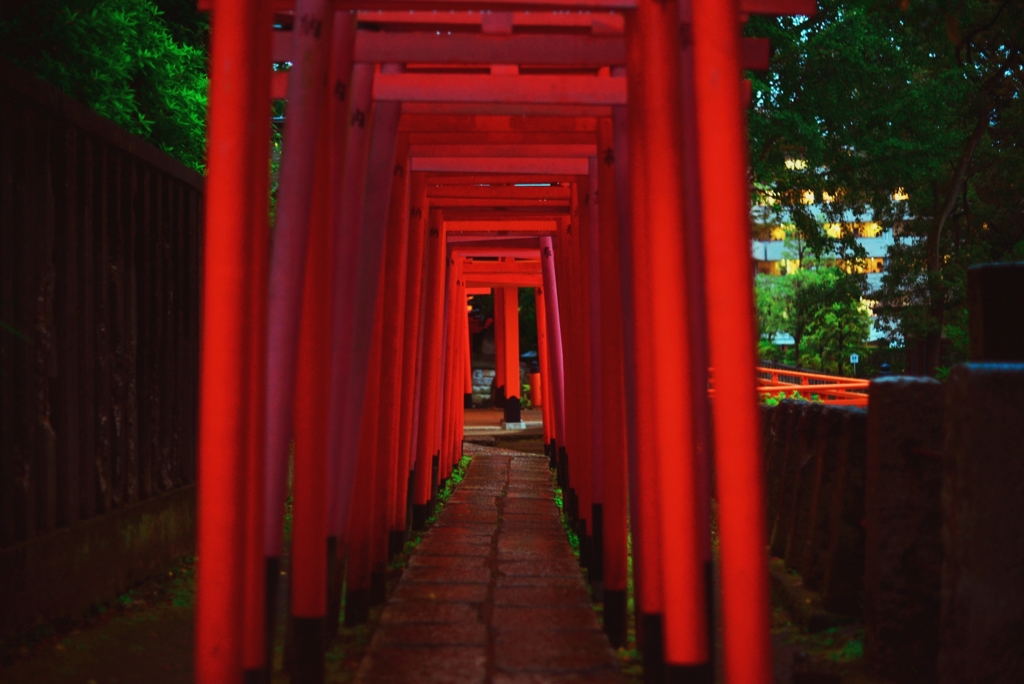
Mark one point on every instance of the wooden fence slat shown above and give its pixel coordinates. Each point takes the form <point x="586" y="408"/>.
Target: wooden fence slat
<point x="66" y="416"/>
<point x="99" y="314"/>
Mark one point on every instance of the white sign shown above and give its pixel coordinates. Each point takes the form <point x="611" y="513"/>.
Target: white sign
<point x="854" y="359"/>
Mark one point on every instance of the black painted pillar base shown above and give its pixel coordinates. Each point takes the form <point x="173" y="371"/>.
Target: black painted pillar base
<point x="586" y="551"/>
<point x="255" y="677"/>
<point x="435" y="467"/>
<point x="272" y="579"/>
<point x="335" y="580"/>
<point x="574" y="507"/>
<point x="688" y="674"/>
<point x="616" y="616"/>
<point x="410" y="486"/>
<point x="357" y="607"/>
<point x="499" y="396"/>
<point x="597" y="546"/>
<point x="419" y="517"/>
<point x="467" y="401"/>
<point x="378" y="587"/>
<point x="307" y="666"/>
<point x="653" y="650"/>
<point x="563" y="468"/>
<point x="551" y="449"/>
<point x="396" y="542"/>
<point x="709" y="605"/>
<point x="513" y="410"/>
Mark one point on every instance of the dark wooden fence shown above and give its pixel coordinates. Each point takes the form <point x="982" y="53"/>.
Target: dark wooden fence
<point x="99" y="313"/>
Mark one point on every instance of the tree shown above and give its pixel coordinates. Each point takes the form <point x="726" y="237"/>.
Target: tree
<point x="821" y="308"/>
<point x="122" y="59"/>
<point x="921" y="96"/>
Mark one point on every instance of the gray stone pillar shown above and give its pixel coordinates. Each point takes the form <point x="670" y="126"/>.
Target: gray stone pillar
<point x="903" y="553"/>
<point x="995" y="294"/>
<point x="983" y="527"/>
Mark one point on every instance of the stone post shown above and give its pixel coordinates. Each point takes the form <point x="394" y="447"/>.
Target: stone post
<point x="982" y="627"/>
<point x="902" y="513"/>
<point x="995" y="294"/>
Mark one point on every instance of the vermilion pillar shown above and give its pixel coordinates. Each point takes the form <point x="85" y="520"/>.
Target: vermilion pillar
<point x="545" y="373"/>
<point x="430" y="391"/>
<point x="740" y="489"/>
<point x="661" y="316"/>
<point x="394" y="339"/>
<point x="348" y="219"/>
<point x="224" y="347"/>
<point x="613" y="409"/>
<point x="308" y="571"/>
<point x="500" y="365"/>
<point x="360" y="532"/>
<point x="592" y="255"/>
<point x="307" y="90"/>
<point x="342" y="257"/>
<point x="255" y="646"/>
<point x="510" y="352"/>
<point x="554" y="335"/>
<point x="411" y="344"/>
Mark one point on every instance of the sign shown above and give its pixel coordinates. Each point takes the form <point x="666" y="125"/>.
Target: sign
<point x="854" y="359"/>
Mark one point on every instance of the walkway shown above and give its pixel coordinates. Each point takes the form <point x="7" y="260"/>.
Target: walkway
<point x="493" y="592"/>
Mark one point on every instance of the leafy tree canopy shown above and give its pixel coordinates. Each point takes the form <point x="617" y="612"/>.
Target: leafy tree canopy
<point x="871" y="97"/>
<point x="138" y="62"/>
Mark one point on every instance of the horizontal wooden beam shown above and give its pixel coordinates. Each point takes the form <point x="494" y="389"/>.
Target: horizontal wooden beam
<point x="501" y="138"/>
<point x="498" y="192"/>
<point x="488" y="179"/>
<point x="502" y="267"/>
<point x="517" y="165"/>
<point x="581" y="51"/>
<point x="545" y="49"/>
<point x="501" y="280"/>
<point x="484" y="125"/>
<point x="467" y="8"/>
<point x="561" y="90"/>
<point x="496" y="151"/>
<point x="507" y="227"/>
<point x="471" y="291"/>
<point x="499" y="109"/>
<point x="484" y="203"/>
<point x="503" y="213"/>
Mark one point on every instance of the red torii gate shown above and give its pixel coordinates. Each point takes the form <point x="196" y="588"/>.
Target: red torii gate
<point x="361" y="283"/>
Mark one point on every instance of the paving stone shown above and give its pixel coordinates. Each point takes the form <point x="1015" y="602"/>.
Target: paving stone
<point x="425" y="560"/>
<point x="404" y="612"/>
<point x="543" y="618"/>
<point x="518" y="570"/>
<point x="451" y="634"/>
<point x="603" y="676"/>
<point x="480" y="575"/>
<point x="429" y="591"/>
<point x="424" y="665"/>
<point x="540" y="650"/>
<point x="540" y="596"/>
<point x="549" y="567"/>
<point x="563" y="583"/>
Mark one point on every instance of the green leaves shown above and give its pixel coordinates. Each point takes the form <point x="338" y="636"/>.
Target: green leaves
<point x="120" y="58"/>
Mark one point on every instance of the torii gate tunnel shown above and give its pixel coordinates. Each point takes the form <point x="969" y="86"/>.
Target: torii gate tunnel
<point x="592" y="149"/>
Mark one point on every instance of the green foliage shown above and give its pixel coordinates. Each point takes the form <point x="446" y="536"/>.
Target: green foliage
<point x="821" y="308"/>
<point x="795" y="395"/>
<point x="879" y="95"/>
<point x="122" y="59"/>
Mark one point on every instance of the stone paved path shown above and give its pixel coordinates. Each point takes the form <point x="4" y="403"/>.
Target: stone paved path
<point x="493" y="593"/>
